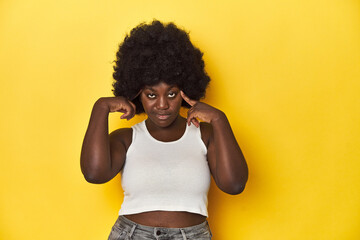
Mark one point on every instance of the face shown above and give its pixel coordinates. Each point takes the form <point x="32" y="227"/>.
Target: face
<point x="161" y="103"/>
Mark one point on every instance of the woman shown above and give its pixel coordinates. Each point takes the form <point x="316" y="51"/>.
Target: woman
<point x="166" y="160"/>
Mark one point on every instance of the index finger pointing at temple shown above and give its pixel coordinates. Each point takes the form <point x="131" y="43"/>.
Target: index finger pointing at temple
<point x="187" y="99"/>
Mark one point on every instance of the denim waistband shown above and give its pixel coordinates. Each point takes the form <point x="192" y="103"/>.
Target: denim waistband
<point x="186" y="232"/>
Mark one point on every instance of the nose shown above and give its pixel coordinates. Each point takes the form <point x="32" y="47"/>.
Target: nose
<point x="162" y="103"/>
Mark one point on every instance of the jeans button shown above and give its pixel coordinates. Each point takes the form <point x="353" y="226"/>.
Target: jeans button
<point x="158" y="232"/>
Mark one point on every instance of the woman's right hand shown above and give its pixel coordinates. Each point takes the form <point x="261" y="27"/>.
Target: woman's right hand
<point x="118" y="104"/>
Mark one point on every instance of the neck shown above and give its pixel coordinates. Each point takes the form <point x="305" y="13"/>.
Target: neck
<point x="167" y="134"/>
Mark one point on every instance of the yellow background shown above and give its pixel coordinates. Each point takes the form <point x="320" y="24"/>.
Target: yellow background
<point x="285" y="72"/>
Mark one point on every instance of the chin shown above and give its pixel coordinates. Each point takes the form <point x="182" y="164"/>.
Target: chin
<point x="162" y="122"/>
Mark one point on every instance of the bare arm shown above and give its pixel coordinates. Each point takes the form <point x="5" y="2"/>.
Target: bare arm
<point x="226" y="161"/>
<point x="102" y="156"/>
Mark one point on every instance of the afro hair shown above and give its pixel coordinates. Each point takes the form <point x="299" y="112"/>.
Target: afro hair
<point x="154" y="53"/>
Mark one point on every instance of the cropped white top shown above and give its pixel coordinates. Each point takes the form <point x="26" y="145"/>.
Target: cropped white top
<point x="167" y="176"/>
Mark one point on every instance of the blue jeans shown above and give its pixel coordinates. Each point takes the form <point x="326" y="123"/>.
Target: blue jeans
<point x="125" y="229"/>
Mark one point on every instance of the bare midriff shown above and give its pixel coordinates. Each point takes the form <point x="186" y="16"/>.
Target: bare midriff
<point x="168" y="219"/>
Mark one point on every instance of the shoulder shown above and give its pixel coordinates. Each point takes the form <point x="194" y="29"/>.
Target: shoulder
<point x="121" y="136"/>
<point x="206" y="132"/>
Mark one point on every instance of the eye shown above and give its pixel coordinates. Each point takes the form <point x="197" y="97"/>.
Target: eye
<point x="172" y="94"/>
<point x="151" y="95"/>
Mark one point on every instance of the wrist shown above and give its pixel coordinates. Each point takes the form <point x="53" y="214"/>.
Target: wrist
<point x="101" y="105"/>
<point x="219" y="117"/>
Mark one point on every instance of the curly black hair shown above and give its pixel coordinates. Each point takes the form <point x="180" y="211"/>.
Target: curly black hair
<point x="154" y="53"/>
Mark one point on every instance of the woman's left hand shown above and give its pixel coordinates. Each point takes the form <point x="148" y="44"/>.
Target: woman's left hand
<point x="201" y="111"/>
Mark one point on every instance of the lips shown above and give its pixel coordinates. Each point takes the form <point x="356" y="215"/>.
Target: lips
<point x="163" y="116"/>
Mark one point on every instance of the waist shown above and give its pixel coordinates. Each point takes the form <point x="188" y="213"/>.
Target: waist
<point x="139" y="231"/>
<point x="167" y="219"/>
<point x="175" y="202"/>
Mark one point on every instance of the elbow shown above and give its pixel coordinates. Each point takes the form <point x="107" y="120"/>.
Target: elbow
<point x="94" y="178"/>
<point x="94" y="174"/>
<point x="238" y="185"/>
<point x="237" y="189"/>
<point x="234" y="188"/>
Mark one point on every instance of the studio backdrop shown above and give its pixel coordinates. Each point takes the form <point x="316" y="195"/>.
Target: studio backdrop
<point x="286" y="73"/>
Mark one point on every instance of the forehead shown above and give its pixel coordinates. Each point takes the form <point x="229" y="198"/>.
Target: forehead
<point x="162" y="86"/>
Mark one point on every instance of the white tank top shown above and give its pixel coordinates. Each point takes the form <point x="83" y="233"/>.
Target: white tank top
<point x="167" y="176"/>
